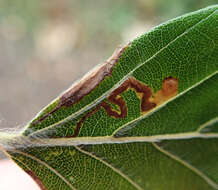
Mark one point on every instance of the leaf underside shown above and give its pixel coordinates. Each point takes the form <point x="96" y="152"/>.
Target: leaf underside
<point x="145" y="119"/>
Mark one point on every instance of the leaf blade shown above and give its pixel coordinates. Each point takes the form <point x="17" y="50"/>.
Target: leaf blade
<point x="107" y="135"/>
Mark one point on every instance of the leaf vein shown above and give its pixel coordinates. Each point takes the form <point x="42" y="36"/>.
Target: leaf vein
<point x="187" y="165"/>
<point x="46" y="165"/>
<point x="110" y="166"/>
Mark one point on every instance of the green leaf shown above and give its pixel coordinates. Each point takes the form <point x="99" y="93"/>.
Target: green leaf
<point x="145" y="119"/>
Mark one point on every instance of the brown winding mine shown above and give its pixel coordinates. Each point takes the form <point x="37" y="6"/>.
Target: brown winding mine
<point x="36" y="179"/>
<point x="149" y="100"/>
<point x="88" y="83"/>
<point x="118" y="100"/>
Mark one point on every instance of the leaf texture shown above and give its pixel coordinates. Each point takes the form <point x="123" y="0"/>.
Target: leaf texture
<point x="145" y="119"/>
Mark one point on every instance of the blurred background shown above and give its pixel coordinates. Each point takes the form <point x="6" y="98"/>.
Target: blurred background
<point x="46" y="45"/>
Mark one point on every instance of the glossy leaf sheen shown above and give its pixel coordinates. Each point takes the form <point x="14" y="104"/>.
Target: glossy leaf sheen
<point x="146" y="119"/>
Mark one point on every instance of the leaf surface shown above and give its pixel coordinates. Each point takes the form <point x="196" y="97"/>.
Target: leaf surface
<point x="145" y="119"/>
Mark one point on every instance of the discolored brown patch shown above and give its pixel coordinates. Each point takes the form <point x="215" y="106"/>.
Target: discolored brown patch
<point x="168" y="90"/>
<point x="170" y="86"/>
<point x="36" y="179"/>
<point x="88" y="83"/>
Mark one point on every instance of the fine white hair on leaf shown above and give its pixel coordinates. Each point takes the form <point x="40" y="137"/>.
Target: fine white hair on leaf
<point x="11" y="137"/>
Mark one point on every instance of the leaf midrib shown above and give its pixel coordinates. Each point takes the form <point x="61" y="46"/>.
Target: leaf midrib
<point x="172" y="156"/>
<point x="21" y="141"/>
